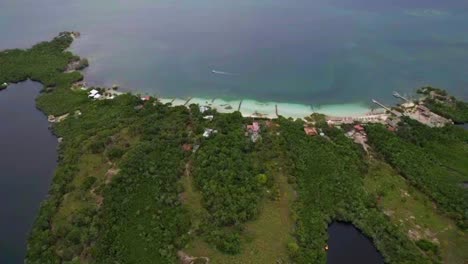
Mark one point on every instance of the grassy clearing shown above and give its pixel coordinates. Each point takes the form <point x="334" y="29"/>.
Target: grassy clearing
<point x="82" y="194"/>
<point x="90" y="165"/>
<point x="415" y="213"/>
<point x="453" y="156"/>
<point x="191" y="198"/>
<point x="264" y="240"/>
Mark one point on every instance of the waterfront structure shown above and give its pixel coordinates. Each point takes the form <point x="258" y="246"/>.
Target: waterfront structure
<point x="93" y="92"/>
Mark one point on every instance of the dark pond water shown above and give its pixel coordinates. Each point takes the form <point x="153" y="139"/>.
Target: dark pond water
<point x="27" y="161"/>
<point x="348" y="245"/>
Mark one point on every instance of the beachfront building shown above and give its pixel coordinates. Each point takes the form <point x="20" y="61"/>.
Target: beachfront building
<point x="408" y="105"/>
<point x="359" y="128"/>
<point x="254" y="131"/>
<point x="359" y="136"/>
<point x="254" y="128"/>
<point x="204" y="108"/>
<point x="92" y="93"/>
<point x="425" y="116"/>
<point x="310" y="131"/>
<point x="332" y="121"/>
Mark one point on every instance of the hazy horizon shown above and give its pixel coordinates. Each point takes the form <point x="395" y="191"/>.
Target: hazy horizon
<point x="325" y="52"/>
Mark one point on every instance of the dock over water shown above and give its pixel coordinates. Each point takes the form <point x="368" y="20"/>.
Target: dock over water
<point x="398" y="114"/>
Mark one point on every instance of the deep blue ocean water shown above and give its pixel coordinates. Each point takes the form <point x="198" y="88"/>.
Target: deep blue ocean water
<point x="311" y="52"/>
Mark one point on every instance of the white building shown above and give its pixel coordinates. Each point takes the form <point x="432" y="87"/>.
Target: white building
<point x="208" y="117"/>
<point x="93" y="92"/>
<point x="208" y="132"/>
<point x="204" y="108"/>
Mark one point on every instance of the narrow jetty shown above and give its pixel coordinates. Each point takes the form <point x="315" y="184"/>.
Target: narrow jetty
<point x="212" y="101"/>
<point x="276" y="110"/>
<point x="173" y="100"/>
<point x="188" y="100"/>
<point x="240" y="104"/>
<point x="397" y="95"/>
<point x="398" y="114"/>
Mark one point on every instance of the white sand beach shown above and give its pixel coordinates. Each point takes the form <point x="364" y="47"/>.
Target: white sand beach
<point x="249" y="107"/>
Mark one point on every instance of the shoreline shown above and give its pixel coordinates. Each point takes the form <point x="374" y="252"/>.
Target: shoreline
<point x="249" y="107"/>
<point x="270" y="109"/>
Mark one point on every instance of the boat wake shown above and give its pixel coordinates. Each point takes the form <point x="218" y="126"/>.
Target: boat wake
<point x="222" y="73"/>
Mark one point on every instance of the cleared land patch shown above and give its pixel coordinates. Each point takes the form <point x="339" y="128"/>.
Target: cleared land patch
<point x="415" y="213"/>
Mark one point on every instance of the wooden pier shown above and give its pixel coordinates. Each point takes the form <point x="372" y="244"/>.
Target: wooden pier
<point x="398" y="114"/>
<point x="188" y="100"/>
<point x="240" y="104"/>
<point x="397" y="95"/>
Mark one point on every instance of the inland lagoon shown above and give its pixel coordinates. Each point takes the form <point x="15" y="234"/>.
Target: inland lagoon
<point x="348" y="245"/>
<point x="28" y="160"/>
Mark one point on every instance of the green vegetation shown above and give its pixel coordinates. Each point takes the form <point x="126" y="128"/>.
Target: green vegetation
<point x="45" y="63"/>
<point x="137" y="182"/>
<point x="448" y="106"/>
<point x="142" y="204"/>
<point x="414" y="212"/>
<point x="330" y="187"/>
<point x="432" y="159"/>
<point x="263" y="239"/>
<point x="226" y="178"/>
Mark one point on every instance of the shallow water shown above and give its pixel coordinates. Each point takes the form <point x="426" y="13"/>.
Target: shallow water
<point x="27" y="161"/>
<point x="309" y="52"/>
<point x="348" y="245"/>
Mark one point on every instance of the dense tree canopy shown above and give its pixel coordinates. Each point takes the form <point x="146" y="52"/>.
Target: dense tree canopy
<point x="329" y="181"/>
<point x="433" y="159"/>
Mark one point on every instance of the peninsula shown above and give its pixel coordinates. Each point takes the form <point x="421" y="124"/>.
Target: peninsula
<point x="142" y="181"/>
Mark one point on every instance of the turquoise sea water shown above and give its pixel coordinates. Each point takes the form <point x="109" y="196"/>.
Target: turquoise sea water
<point x="308" y="52"/>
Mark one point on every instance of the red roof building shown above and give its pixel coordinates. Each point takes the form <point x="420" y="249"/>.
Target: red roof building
<point x="254" y="128"/>
<point x="358" y="128"/>
<point x="187" y="147"/>
<point x="310" y="131"/>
